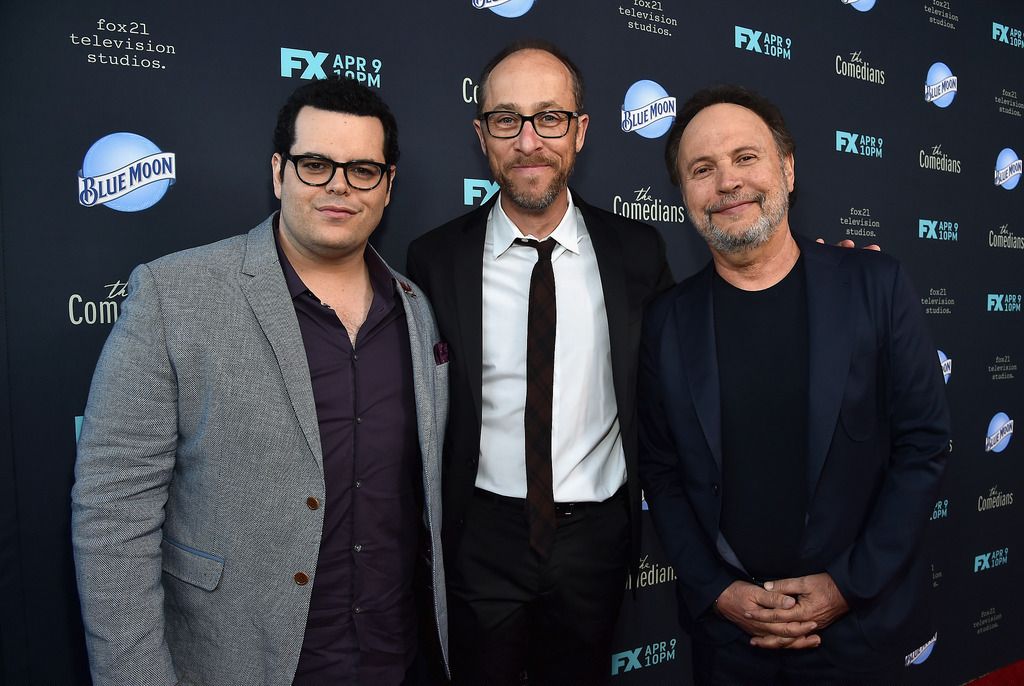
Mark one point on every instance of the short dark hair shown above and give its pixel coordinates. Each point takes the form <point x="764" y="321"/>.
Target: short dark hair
<point x="734" y="95"/>
<point x="530" y="44"/>
<point x="336" y="94"/>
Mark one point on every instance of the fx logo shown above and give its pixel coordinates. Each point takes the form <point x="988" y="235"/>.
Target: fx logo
<point x="292" y="59"/>
<point x="626" y="661"/>
<point x="748" y="38"/>
<point x="995" y="304"/>
<point x="478" y="188"/>
<point x="846" y="142"/>
<point x="926" y="228"/>
<point x="983" y="561"/>
<point x="1000" y="33"/>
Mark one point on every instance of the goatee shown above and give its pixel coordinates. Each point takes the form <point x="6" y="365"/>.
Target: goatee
<point x="524" y="194"/>
<point x="773" y="209"/>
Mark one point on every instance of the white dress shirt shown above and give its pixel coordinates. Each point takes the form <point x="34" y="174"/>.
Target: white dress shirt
<point x="587" y="461"/>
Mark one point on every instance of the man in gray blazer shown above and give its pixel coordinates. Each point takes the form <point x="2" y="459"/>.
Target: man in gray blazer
<point x="258" y="485"/>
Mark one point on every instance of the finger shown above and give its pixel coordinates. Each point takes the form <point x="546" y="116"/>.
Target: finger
<point x="788" y="587"/>
<point x="804" y="642"/>
<point x="783" y="629"/>
<point x="772" y="642"/>
<point x="873" y="246"/>
<point x="819" y="240"/>
<point x="771" y="599"/>
<point x="775" y="616"/>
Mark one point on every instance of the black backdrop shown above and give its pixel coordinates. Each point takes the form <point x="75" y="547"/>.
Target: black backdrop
<point x="204" y="82"/>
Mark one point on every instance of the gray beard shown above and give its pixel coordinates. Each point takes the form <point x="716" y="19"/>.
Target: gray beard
<point x="756" y="235"/>
<point x="529" y="202"/>
<point x="523" y="200"/>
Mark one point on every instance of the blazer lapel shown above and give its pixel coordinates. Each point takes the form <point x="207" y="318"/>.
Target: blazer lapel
<point x="263" y="284"/>
<point x="695" y="325"/>
<point x="613" y="283"/>
<point x="421" y="337"/>
<point x="828" y="294"/>
<point x="467" y="263"/>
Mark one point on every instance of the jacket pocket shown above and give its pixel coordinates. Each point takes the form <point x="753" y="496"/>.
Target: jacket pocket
<point x="858" y="422"/>
<point x="190" y="565"/>
<point x="859" y="410"/>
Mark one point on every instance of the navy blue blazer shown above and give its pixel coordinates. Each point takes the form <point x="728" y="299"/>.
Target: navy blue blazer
<point x="878" y="436"/>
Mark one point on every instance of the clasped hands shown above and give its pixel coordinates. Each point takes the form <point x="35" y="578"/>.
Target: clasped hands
<point x="785" y="613"/>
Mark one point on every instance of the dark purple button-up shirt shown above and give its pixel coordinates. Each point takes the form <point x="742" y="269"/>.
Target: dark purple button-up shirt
<point x="362" y="598"/>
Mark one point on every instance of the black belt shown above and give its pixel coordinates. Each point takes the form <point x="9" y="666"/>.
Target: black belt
<point x="561" y="509"/>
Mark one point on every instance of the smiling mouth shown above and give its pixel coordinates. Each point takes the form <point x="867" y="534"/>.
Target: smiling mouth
<point x="336" y="211"/>
<point x="733" y="206"/>
<point x="529" y="165"/>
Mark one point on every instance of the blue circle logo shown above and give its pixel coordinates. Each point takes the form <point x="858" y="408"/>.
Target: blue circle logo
<point x="925" y="654"/>
<point x="940" y="85"/>
<point x="648" y="110"/>
<point x="860" y="5"/>
<point x="126" y="172"/>
<point x="1000" y="430"/>
<point x="947" y="366"/>
<point x="505" y="8"/>
<point x="1008" y="169"/>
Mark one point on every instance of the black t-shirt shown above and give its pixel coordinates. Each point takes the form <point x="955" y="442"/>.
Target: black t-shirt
<point x="761" y="340"/>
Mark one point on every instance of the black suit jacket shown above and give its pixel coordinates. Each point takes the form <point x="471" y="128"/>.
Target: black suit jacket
<point x="447" y="263"/>
<point x="878" y="435"/>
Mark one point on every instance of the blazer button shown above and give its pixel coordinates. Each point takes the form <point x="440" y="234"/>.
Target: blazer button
<point x="301" y="578"/>
<point x="715" y="489"/>
<point x="312" y="503"/>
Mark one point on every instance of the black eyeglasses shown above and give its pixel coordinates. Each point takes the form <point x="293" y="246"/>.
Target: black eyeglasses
<point x="547" y="123"/>
<point x="312" y="170"/>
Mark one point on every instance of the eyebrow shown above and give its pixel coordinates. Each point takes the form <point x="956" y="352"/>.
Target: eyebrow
<point x="733" y="153"/>
<point x="320" y="155"/>
<point x="514" y="107"/>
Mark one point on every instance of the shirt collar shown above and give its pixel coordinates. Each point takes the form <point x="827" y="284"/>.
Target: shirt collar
<point x="381" y="278"/>
<point x="505" y="232"/>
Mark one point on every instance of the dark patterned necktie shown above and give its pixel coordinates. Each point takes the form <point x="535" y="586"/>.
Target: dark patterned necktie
<point x="540" y="369"/>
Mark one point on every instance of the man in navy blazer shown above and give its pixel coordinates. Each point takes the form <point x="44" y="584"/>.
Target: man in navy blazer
<point x="793" y="424"/>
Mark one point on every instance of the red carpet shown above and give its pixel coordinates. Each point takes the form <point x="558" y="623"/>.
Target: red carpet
<point x="1012" y="675"/>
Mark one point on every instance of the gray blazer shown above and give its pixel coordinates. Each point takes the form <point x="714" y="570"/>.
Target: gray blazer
<point x="199" y="448"/>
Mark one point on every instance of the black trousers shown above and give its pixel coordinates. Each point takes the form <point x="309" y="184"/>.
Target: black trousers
<point x="513" y="615"/>
<point x="740" y="664"/>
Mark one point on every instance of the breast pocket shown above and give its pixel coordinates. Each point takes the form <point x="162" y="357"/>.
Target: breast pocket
<point x="190" y="565"/>
<point x="861" y="398"/>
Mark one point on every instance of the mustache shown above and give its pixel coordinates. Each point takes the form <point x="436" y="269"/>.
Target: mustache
<point x="532" y="160"/>
<point x="728" y="200"/>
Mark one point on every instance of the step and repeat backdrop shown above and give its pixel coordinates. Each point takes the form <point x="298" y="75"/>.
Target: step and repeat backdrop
<point x="134" y="129"/>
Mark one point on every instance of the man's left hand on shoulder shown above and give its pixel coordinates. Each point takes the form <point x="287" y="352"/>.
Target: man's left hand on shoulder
<point x="817" y="598"/>
<point x="847" y="243"/>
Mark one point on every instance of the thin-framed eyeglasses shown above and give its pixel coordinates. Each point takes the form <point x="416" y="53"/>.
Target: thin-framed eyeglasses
<point x="313" y="170"/>
<point x="547" y="123"/>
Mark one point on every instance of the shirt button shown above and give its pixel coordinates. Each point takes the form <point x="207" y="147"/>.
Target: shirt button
<point x="359" y="420"/>
<point x="312" y="503"/>
<point x="301" y="578"/>
<point x="355" y="358"/>
<point x="357" y="547"/>
<point x="359" y="484"/>
<point x="357" y="610"/>
<point x="715" y="489"/>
